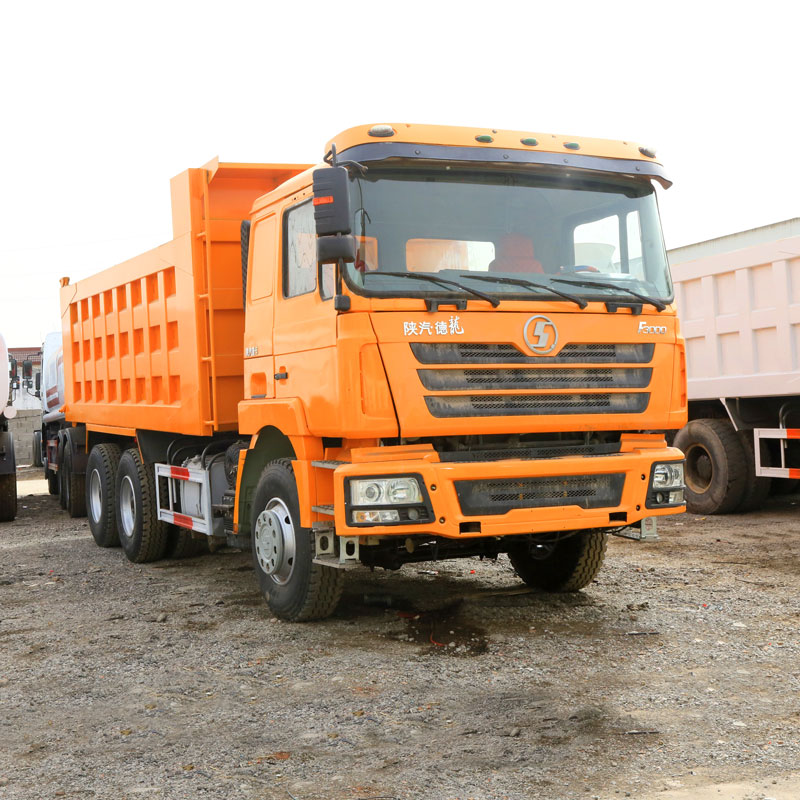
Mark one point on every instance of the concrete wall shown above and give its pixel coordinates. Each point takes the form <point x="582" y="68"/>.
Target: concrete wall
<point x="22" y="427"/>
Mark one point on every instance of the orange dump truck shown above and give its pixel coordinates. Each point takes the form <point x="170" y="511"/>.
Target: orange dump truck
<point x="440" y="342"/>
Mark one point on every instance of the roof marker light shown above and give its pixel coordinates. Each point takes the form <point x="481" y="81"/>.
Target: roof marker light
<point x="381" y="131"/>
<point x="647" y="151"/>
<point x="322" y="201"/>
<point x="484" y="138"/>
<point x="530" y="141"/>
<point x="572" y="145"/>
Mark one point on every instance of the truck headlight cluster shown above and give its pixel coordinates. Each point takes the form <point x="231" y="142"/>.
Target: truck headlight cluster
<point x="383" y="491"/>
<point x="370" y="501"/>
<point x="666" y="485"/>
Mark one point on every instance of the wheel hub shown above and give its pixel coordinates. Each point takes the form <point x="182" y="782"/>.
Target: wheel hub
<point x="127" y="507"/>
<point x="95" y="496"/>
<point x="699" y="468"/>
<point x="274" y="541"/>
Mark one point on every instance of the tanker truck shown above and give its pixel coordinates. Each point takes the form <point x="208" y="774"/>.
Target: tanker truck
<point x="436" y="343"/>
<point x="8" y="464"/>
<point x="52" y="398"/>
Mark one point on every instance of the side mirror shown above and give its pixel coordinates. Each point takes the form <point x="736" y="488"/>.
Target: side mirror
<point x="27" y="369"/>
<point x="38" y="381"/>
<point x="331" y="201"/>
<point x="330" y="249"/>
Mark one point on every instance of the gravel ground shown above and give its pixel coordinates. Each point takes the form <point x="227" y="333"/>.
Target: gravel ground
<point x="675" y="675"/>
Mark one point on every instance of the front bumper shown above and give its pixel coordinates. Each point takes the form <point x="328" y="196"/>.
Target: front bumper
<point x="626" y="476"/>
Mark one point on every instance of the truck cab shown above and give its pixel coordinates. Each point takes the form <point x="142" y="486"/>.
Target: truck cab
<point x="469" y="340"/>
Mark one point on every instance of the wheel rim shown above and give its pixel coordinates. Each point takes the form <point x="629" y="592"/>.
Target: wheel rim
<point x="127" y="507"/>
<point x="699" y="468"/>
<point x="95" y="496"/>
<point x="275" y="541"/>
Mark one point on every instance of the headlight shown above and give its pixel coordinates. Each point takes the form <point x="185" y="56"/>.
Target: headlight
<point x="385" y="491"/>
<point x="668" y="476"/>
<point x="666" y="485"/>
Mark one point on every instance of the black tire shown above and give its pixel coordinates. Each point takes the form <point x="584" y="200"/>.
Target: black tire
<point x="8" y="497"/>
<point x="101" y="497"/>
<point x="757" y="487"/>
<point x="75" y="488"/>
<point x="294" y="587"/>
<point x="52" y="481"/>
<point x="142" y="536"/>
<point x="37" y="449"/>
<point x="181" y="543"/>
<point x="716" y="466"/>
<point x="566" y="566"/>
<point x="60" y="475"/>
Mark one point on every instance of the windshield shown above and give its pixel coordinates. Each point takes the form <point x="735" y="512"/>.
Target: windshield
<point x="480" y="228"/>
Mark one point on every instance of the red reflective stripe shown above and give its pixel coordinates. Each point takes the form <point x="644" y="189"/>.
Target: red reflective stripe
<point x="794" y="473"/>
<point x="183" y="521"/>
<point x="793" y="433"/>
<point x="323" y="201"/>
<point x="179" y="472"/>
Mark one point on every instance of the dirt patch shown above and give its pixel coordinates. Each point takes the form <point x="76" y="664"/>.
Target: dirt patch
<point x="676" y="673"/>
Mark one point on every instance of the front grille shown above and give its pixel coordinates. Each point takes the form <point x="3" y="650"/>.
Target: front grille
<point x="497" y="405"/>
<point x="572" y="378"/>
<point x="486" y="497"/>
<point x="480" y="353"/>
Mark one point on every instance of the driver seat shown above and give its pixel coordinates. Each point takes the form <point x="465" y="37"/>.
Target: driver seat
<point x="515" y="254"/>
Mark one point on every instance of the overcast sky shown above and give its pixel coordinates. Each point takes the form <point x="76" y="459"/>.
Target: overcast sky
<point x="104" y="102"/>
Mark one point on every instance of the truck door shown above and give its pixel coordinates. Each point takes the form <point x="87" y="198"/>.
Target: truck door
<point x="305" y="322"/>
<point x="259" y="366"/>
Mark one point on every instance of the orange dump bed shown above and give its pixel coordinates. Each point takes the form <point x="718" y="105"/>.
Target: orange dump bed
<point x="156" y="342"/>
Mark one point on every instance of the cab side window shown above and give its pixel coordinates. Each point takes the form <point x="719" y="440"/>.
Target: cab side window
<point x="299" y="250"/>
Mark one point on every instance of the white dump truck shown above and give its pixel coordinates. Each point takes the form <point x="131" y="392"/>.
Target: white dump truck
<point x="8" y="464"/>
<point x="739" y="304"/>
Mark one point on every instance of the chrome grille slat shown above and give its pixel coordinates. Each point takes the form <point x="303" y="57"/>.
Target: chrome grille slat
<point x="495" y="405"/>
<point x="491" y="353"/>
<point x="504" y="378"/>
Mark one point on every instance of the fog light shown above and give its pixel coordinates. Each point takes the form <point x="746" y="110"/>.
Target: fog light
<point x="377" y="516"/>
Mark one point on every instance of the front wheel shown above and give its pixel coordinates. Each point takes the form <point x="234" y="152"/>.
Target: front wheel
<point x="295" y="588"/>
<point x="565" y="565"/>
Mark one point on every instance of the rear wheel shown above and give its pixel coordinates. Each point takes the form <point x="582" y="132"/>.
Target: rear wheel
<point x="75" y="488"/>
<point x="566" y="565"/>
<point x="101" y="498"/>
<point x="181" y="543"/>
<point x="294" y="587"/>
<point x="60" y="477"/>
<point x="757" y="487"/>
<point x="8" y="497"/>
<point x="52" y="481"/>
<point x="142" y="536"/>
<point x="716" y="466"/>
<point x="37" y="449"/>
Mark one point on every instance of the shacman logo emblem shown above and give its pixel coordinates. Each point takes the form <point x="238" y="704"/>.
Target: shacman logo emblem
<point x="542" y="337"/>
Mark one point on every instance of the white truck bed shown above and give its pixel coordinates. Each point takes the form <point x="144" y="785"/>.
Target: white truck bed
<point x="739" y="304"/>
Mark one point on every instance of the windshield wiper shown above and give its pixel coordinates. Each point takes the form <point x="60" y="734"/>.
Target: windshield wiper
<point x="444" y="282"/>
<point x="591" y="284"/>
<point x="531" y="285"/>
